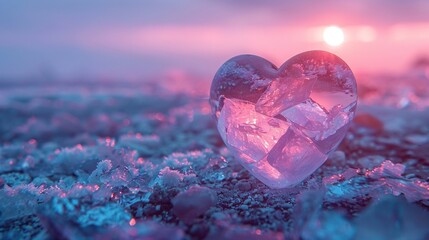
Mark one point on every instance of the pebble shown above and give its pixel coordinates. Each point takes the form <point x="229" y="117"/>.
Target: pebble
<point x="337" y="158"/>
<point x="368" y="121"/>
<point x="243" y="186"/>
<point x="417" y="138"/>
<point x="370" y="162"/>
<point x="193" y="203"/>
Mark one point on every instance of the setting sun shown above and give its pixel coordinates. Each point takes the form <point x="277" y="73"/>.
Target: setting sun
<point x="333" y="36"/>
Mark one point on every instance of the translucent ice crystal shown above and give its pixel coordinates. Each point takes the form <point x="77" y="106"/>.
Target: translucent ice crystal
<point x="295" y="154"/>
<point x="281" y="124"/>
<point x="285" y="92"/>
<point x="243" y="77"/>
<point x="248" y="131"/>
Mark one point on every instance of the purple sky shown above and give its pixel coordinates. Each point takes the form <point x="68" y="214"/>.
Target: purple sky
<point x="130" y="39"/>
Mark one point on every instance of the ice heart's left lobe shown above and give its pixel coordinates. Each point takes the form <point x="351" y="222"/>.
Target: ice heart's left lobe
<point x="244" y="77"/>
<point x="281" y="124"/>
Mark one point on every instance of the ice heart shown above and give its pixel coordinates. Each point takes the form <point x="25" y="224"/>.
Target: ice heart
<point x="281" y="123"/>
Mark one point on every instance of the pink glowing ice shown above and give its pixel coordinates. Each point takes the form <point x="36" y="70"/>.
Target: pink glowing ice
<point x="281" y="124"/>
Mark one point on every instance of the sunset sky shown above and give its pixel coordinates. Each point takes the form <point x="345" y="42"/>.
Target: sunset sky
<point x="132" y="39"/>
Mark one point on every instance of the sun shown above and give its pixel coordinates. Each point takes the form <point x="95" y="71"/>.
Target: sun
<point x="333" y="36"/>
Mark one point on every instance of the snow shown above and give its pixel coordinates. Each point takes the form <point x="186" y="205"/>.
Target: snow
<point x="133" y="150"/>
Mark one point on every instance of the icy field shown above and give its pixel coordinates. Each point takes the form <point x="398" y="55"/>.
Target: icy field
<point x="146" y="162"/>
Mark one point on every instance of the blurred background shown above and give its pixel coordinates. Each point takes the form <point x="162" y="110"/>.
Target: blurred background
<point x="141" y="40"/>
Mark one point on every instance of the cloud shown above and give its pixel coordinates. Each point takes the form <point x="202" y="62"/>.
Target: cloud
<point x="102" y="34"/>
<point x="52" y="15"/>
<point x="374" y="12"/>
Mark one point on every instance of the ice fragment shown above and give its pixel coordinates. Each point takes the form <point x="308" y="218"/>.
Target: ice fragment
<point x="296" y="156"/>
<point x="284" y="93"/>
<point x="248" y="131"/>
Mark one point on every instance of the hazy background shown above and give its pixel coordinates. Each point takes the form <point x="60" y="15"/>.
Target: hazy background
<point x="144" y="39"/>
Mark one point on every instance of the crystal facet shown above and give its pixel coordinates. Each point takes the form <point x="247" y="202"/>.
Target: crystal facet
<point x="281" y="124"/>
<point x="252" y="133"/>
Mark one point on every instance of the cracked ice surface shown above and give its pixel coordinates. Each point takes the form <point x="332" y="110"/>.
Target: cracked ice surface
<point x="285" y="92"/>
<point x="248" y="131"/>
<point x="296" y="155"/>
<point x="60" y="170"/>
<point x="284" y="131"/>
<point x="326" y="129"/>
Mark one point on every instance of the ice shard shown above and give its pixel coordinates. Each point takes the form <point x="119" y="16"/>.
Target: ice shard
<point x="248" y="131"/>
<point x="323" y="127"/>
<point x="285" y="92"/>
<point x="309" y="117"/>
<point x="295" y="156"/>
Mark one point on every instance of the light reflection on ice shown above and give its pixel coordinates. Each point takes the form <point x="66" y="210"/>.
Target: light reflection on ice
<point x="299" y="118"/>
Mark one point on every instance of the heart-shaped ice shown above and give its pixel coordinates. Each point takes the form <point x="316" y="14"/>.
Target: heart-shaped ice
<point x="281" y="123"/>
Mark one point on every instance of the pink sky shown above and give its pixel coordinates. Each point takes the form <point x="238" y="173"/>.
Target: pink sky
<point x="134" y="39"/>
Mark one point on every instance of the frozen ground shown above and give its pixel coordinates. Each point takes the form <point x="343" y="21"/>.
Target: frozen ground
<point x="145" y="162"/>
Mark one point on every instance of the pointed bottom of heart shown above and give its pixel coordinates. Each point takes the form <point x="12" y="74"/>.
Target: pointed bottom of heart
<point x="275" y="151"/>
<point x="290" y="161"/>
